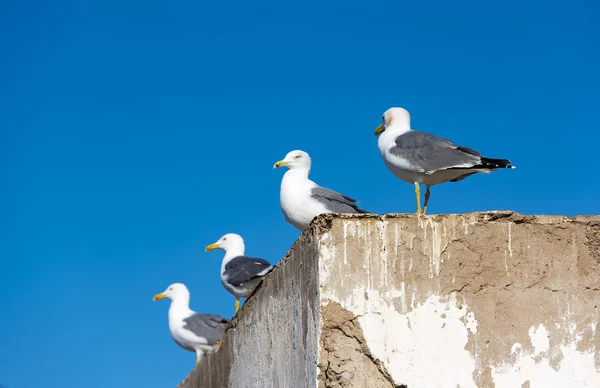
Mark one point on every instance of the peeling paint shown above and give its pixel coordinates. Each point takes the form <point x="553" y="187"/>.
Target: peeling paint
<point x="471" y="322"/>
<point x="576" y="369"/>
<point x="421" y="338"/>
<point x="516" y="347"/>
<point x="539" y="339"/>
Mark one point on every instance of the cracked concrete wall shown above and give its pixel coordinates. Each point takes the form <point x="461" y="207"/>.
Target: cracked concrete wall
<point x="477" y="300"/>
<point x="344" y="357"/>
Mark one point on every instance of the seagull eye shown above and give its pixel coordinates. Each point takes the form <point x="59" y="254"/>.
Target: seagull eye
<point x="297" y="157"/>
<point x="224" y="238"/>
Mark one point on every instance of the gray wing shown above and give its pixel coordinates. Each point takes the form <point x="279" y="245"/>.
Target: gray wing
<point x="428" y="153"/>
<point x="208" y="326"/>
<point x="334" y="201"/>
<point x="242" y="269"/>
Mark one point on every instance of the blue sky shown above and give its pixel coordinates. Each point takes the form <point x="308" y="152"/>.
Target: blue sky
<point x="133" y="134"/>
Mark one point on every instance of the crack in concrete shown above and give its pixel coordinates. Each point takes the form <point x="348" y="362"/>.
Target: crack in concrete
<point x="346" y="360"/>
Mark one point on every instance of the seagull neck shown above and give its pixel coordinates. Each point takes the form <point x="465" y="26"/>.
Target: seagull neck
<point x="180" y="305"/>
<point x="233" y="251"/>
<point x="297" y="173"/>
<point x="397" y="130"/>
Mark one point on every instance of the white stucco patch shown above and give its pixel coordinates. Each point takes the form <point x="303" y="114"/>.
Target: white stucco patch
<point x="471" y="322"/>
<point x="426" y="346"/>
<point x="576" y="368"/>
<point x="515" y="348"/>
<point x="539" y="339"/>
<point x="422" y="348"/>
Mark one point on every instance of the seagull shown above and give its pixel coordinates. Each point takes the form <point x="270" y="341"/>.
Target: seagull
<point x="192" y="331"/>
<point x="420" y="158"/>
<point x="301" y="199"/>
<point x="239" y="274"/>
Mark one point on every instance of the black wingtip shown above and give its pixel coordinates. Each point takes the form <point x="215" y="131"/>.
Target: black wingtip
<point x="496" y="163"/>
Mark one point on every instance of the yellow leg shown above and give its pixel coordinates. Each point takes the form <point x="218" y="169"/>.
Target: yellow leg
<point x="198" y="359"/>
<point x="418" y="193"/>
<point x="237" y="305"/>
<point x="427" y="194"/>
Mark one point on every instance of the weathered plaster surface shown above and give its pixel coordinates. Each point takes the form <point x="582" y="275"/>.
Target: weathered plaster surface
<point x="476" y="300"/>
<point x="564" y="366"/>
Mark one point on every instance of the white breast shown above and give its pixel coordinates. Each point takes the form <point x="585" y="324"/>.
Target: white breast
<point x="242" y="291"/>
<point x="183" y="337"/>
<point x="397" y="164"/>
<point x="295" y="199"/>
<point x="176" y="329"/>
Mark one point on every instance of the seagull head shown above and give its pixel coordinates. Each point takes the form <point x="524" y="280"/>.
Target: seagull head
<point x="230" y="242"/>
<point x="174" y="291"/>
<point x="296" y="159"/>
<point x="394" y="118"/>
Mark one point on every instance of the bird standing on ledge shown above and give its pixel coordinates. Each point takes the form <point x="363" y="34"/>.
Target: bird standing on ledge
<point x="192" y="331"/>
<point x="239" y="274"/>
<point x="420" y="158"/>
<point x="301" y="199"/>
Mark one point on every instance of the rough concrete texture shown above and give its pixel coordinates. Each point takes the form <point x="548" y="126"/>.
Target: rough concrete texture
<point x="273" y="340"/>
<point x="477" y="300"/>
<point x="345" y="359"/>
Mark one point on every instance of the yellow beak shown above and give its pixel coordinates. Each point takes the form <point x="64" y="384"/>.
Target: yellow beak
<point x="159" y="297"/>
<point x="379" y="130"/>
<point x="211" y="247"/>
<point x="281" y="163"/>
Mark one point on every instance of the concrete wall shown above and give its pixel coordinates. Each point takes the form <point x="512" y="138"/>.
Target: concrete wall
<point x="273" y="340"/>
<point x="476" y="300"/>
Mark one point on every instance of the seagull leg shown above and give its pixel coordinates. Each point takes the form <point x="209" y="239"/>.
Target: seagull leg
<point x="198" y="356"/>
<point x="427" y="194"/>
<point x="418" y="193"/>
<point x="237" y="305"/>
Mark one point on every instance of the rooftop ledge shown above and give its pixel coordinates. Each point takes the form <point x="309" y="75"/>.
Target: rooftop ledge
<point x="494" y="299"/>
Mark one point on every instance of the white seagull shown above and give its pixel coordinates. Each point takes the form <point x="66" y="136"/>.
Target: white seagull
<point x="420" y="158"/>
<point x="192" y="331"/>
<point x="301" y="199"/>
<point x="239" y="274"/>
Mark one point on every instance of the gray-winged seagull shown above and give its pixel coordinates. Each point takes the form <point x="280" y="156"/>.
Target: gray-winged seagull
<point x="192" y="331"/>
<point x="420" y="158"/>
<point x="301" y="199"/>
<point x="239" y="274"/>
